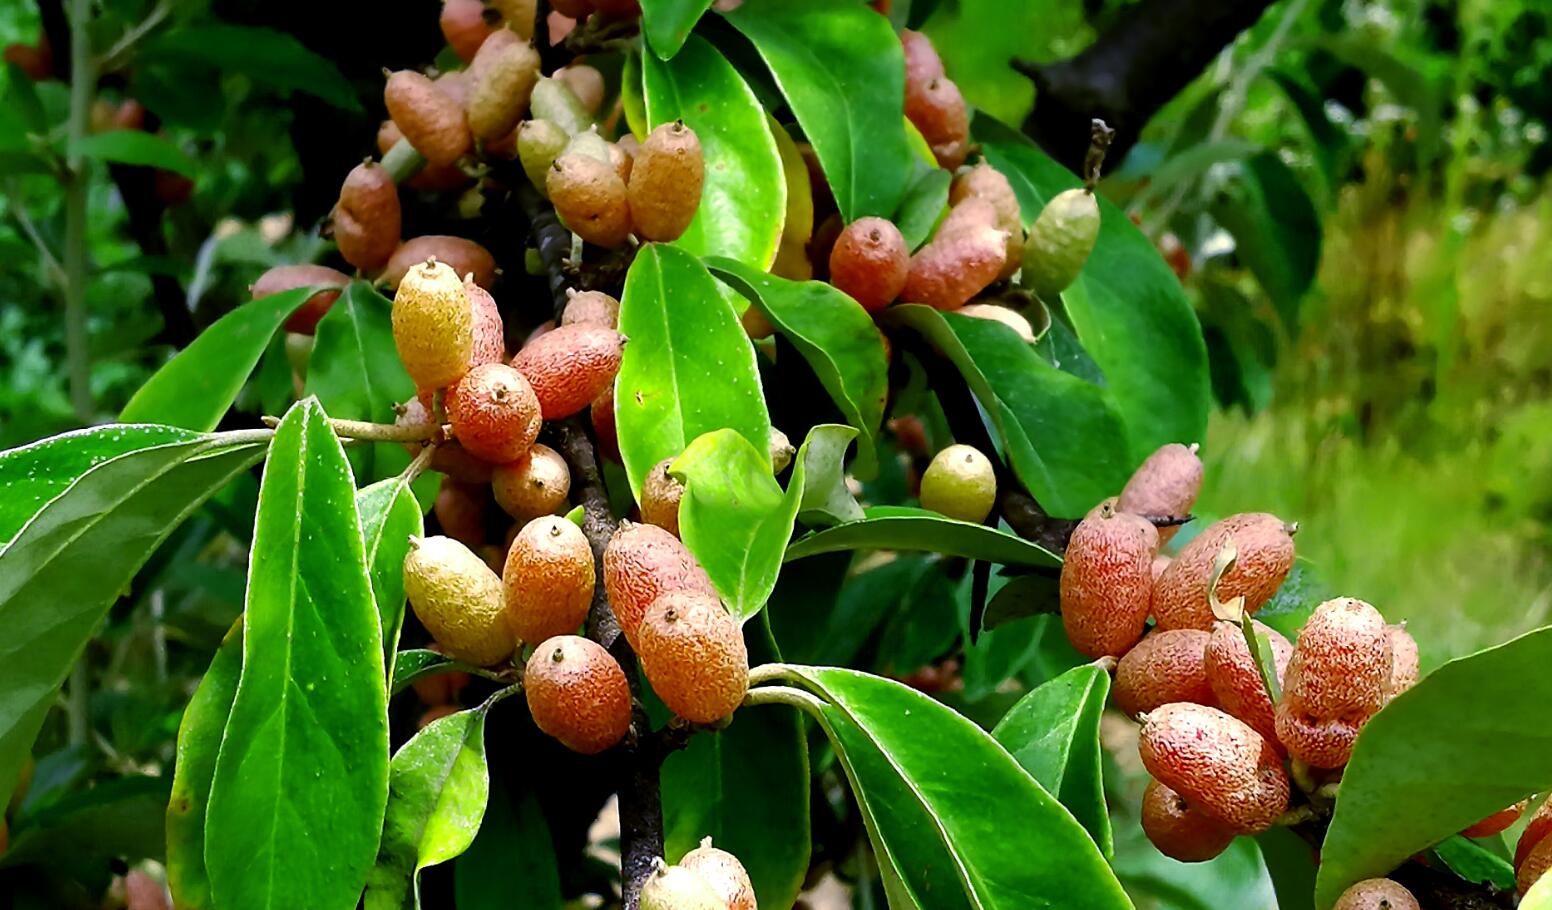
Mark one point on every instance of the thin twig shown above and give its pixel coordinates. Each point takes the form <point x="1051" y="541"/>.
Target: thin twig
<point x="50" y="261"/>
<point x="377" y="432"/>
<point x="83" y="83"/>
<point x="113" y="59"/>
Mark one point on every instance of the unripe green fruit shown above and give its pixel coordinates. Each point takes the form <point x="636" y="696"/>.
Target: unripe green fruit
<point x="1236" y="680"/>
<point x="660" y="498"/>
<point x="666" y="181"/>
<point x="1403" y="661"/>
<point x="1107" y="574"/>
<point x="1497" y="822"/>
<point x="577" y="693"/>
<point x="460" y="510"/>
<point x="290" y="277"/>
<point x="954" y="267"/>
<point x="430" y="118"/>
<point x="724" y="873"/>
<point x="1060" y="241"/>
<point x="502" y="79"/>
<point x="870" y="262"/>
<point x="433" y="325"/>
<point x="1217" y="763"/>
<point x="589" y="143"/>
<point x="643" y="561"/>
<point x="1264" y="544"/>
<point x="494" y="413"/>
<point x="677" y="888"/>
<point x="570" y="366"/>
<point x="960" y="483"/>
<point x="1166" y="484"/>
<point x="463" y="256"/>
<point x="549" y="579"/>
<point x="553" y="100"/>
<point x="694" y="655"/>
<point x="586" y="82"/>
<point x="1167" y="666"/>
<point x="539" y="143"/>
<point x="1376" y="894"/>
<point x="366" y="219"/>
<point x="1337" y="678"/>
<point x="458" y="599"/>
<point x="1178" y="830"/>
<point x="535" y="484"/>
<point x="590" y="198"/>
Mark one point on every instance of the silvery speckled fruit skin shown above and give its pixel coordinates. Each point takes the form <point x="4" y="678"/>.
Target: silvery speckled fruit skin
<point x="570" y="366"/>
<point x="549" y="579"/>
<point x="367" y="219"/>
<point x="1338" y="678"/>
<point x="726" y="875"/>
<point x="660" y="498"/>
<point x="577" y="693"/>
<point x="433" y="325"/>
<point x="590" y="199"/>
<point x="533" y="485"/>
<point x="1060" y="241"/>
<point x="1165" y="484"/>
<point x="1167" y="666"/>
<point x="1264" y="550"/>
<point x="464" y="256"/>
<point x="693" y="654"/>
<point x="459" y="600"/>
<point x="1236" y="680"/>
<point x="1217" y="763"/>
<point x="955" y="266"/>
<point x="1376" y="894"/>
<point x="503" y="76"/>
<point x="1107" y="574"/>
<point x="641" y="562"/>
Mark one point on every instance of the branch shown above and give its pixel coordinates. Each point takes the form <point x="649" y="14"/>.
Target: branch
<point x="1152" y="52"/>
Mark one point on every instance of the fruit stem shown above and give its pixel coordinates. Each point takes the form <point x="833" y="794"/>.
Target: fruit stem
<point x="419" y="464"/>
<point x="402" y="161"/>
<point x="1100" y="137"/>
<point x="376" y="432"/>
<point x="785" y="695"/>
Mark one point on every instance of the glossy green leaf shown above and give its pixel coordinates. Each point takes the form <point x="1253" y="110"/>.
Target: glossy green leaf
<point x="1023" y="596"/>
<point x="437" y="788"/>
<point x="689" y="366"/>
<point x="199" y="741"/>
<point x="1053" y="733"/>
<point x="837" y="338"/>
<point x="920" y="618"/>
<point x="1472" y="862"/>
<point x="305" y="753"/>
<point x="419" y="663"/>
<point x="667" y="23"/>
<point x="826" y="498"/>
<point x="1290" y="864"/>
<point x="1276" y="230"/>
<point x="924" y="204"/>
<point x="1301" y="592"/>
<point x="1062" y="436"/>
<point x="355" y="369"/>
<point x="389" y="517"/>
<point x="273" y="385"/>
<point x="953" y="814"/>
<point x="977" y="38"/>
<point x="137" y="148"/>
<point x="196" y="387"/>
<point x="991" y="656"/>
<point x="1127" y="306"/>
<point x="843" y="74"/>
<point x="76" y="556"/>
<point x="33" y="474"/>
<point x="744" y="198"/>
<point x="266" y="56"/>
<point x="1470" y="738"/>
<point x="512" y="860"/>
<point x="904" y="528"/>
<point x="1234" y="878"/>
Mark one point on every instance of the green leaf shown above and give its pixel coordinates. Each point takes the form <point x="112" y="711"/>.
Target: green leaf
<point x="512" y="860"/>
<point x="826" y="498"/>
<point x="667" y="23"/>
<point x="419" y="663"/>
<point x="197" y="386"/>
<point x="1061" y="435"/>
<point x="1053" y="733"/>
<point x="951" y="814"/>
<point x="268" y="57"/>
<point x="355" y="369"/>
<point x="1421" y="84"/>
<point x="199" y="741"/>
<point x="305" y="753"/>
<point x="1021" y="597"/>
<point x="837" y="338"/>
<point x="1234" y="878"/>
<point x="1474" y="863"/>
<point x="1301" y="592"/>
<point x="437" y="789"/>
<point x="904" y="528"/>
<point x="1328" y="144"/>
<point x="744" y="199"/>
<point x="76" y="556"/>
<point x="1127" y="306"/>
<point x="1192" y="162"/>
<point x="923" y="205"/>
<point x="389" y="517"/>
<point x="1290" y="863"/>
<point x="842" y="71"/>
<point x="1276" y="230"/>
<point x="34" y="474"/>
<point x="114" y="820"/>
<point x="688" y="368"/>
<point x="1469" y="739"/>
<point x="977" y="38"/>
<point x="135" y="147"/>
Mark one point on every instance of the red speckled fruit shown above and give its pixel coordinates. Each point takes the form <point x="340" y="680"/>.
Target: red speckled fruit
<point x="1179" y="831"/>
<point x="1265" y="546"/>
<point x="1166" y="484"/>
<point x="1535" y="833"/>
<point x="1217" y="763"/>
<point x="1106" y="577"/>
<point x="693" y="654"/>
<point x="1496" y="822"/>
<point x="450" y="458"/>
<point x="1165" y="667"/>
<point x="367" y="219"/>
<point x="430" y="118"/>
<point x="955" y="266"/>
<point x="1376" y="894"/>
<point x="533" y="485"/>
<point x="490" y="341"/>
<point x="922" y="63"/>
<point x="1403" y="661"/>
<point x="986" y="182"/>
<point x="938" y="110"/>
<point x="494" y="413"/>
<point x="1236" y="681"/>
<point x="869" y="262"/>
<point x="577" y="693"/>
<point x="1336" y="680"/>
<point x="660" y="498"/>
<point x="549" y="579"/>
<point x="643" y="561"/>
<point x="290" y="277"/>
<point x="570" y="366"/>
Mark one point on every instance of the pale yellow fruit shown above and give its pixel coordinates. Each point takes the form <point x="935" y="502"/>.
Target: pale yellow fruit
<point x="459" y="600"/>
<point x="433" y="325"/>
